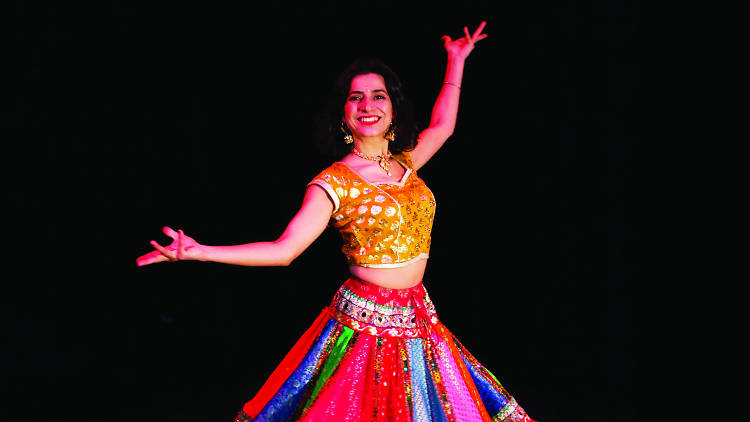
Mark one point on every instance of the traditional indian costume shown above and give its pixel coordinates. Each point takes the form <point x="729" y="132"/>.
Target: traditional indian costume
<point x="377" y="354"/>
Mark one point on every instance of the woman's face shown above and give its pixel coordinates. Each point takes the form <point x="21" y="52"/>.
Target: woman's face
<point x="368" y="110"/>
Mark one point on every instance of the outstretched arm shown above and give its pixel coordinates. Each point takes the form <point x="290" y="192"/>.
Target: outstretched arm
<point x="306" y="226"/>
<point x="443" y="119"/>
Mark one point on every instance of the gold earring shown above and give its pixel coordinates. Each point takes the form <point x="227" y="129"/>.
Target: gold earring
<point x="391" y="133"/>
<point x="348" y="138"/>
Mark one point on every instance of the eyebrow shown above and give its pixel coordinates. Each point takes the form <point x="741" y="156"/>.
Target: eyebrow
<point x="362" y="92"/>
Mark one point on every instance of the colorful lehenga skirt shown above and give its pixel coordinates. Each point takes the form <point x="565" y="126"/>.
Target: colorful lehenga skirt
<point x="381" y="355"/>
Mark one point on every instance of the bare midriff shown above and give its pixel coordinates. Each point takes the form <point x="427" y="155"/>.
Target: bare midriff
<point x="392" y="278"/>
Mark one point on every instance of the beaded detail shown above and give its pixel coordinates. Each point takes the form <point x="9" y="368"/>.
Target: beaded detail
<point x="511" y="413"/>
<point x="351" y="307"/>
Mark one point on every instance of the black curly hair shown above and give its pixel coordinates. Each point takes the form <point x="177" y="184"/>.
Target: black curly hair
<point x="330" y="139"/>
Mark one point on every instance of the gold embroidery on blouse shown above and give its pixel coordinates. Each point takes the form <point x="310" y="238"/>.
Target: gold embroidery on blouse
<point x="398" y="215"/>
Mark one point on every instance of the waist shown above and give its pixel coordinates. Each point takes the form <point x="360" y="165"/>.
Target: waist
<point x="392" y="278"/>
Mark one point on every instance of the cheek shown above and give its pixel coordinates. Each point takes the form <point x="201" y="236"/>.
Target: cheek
<point x="389" y="116"/>
<point x="349" y="110"/>
<point x="388" y="109"/>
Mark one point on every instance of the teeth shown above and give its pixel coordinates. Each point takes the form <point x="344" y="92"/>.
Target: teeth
<point x="369" y="119"/>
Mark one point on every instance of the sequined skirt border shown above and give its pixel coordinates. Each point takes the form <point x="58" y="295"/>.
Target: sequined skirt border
<point x="381" y="355"/>
<point x="381" y="311"/>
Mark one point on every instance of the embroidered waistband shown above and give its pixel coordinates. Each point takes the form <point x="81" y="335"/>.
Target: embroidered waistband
<point x="381" y="311"/>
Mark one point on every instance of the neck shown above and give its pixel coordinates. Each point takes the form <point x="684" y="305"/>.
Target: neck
<point x="371" y="146"/>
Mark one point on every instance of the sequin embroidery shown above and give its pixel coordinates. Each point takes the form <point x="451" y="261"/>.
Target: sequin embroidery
<point x="383" y="225"/>
<point x="380" y="311"/>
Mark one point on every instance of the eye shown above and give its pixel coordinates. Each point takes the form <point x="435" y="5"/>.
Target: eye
<point x="355" y="98"/>
<point x="380" y="97"/>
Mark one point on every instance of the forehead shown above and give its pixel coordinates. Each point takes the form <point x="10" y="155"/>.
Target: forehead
<point x="367" y="82"/>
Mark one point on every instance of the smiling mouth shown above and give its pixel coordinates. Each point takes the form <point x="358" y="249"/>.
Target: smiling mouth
<point x="368" y="120"/>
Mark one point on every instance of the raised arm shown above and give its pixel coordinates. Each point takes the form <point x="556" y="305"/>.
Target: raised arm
<point x="306" y="226"/>
<point x="443" y="119"/>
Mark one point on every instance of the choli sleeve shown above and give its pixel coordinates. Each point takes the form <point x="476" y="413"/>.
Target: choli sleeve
<point x="332" y="183"/>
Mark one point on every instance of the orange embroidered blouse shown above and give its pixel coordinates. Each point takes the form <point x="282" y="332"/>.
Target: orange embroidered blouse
<point x="383" y="225"/>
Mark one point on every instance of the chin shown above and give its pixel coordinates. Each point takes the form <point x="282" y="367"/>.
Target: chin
<point x="371" y="133"/>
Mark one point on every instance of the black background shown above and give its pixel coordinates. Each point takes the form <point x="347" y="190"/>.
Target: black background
<point x="121" y="117"/>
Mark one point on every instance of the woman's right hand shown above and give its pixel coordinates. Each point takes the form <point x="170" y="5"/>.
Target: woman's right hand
<point x="182" y="248"/>
<point x="461" y="47"/>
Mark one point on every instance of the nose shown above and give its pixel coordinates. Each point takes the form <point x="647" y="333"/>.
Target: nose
<point x="365" y="103"/>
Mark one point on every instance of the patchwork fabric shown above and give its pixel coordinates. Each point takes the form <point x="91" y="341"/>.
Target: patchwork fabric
<point x="381" y="355"/>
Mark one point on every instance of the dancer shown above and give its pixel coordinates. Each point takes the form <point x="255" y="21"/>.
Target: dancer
<point x="378" y="352"/>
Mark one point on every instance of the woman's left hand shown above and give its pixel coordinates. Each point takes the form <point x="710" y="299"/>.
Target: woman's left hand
<point x="461" y="47"/>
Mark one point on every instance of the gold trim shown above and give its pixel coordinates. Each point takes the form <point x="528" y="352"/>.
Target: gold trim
<point x="329" y="190"/>
<point x="401" y="182"/>
<point x="395" y="264"/>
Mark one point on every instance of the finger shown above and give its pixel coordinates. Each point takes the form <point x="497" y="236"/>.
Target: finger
<point x="475" y="37"/>
<point x="179" y="244"/>
<point x="446" y="40"/>
<point x="150" y="258"/>
<point x="468" y="37"/>
<point x="481" y="37"/>
<point x="168" y="254"/>
<point x="169" y="232"/>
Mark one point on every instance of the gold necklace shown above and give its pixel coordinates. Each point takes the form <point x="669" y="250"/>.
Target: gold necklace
<point x="381" y="159"/>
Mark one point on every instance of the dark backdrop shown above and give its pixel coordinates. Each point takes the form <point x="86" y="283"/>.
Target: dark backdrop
<point x="122" y="117"/>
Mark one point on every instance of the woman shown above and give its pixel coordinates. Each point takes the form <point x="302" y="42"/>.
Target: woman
<point x="378" y="352"/>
